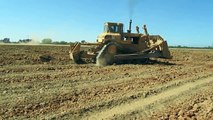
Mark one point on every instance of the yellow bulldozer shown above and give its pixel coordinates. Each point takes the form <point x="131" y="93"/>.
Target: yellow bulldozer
<point x="114" y="46"/>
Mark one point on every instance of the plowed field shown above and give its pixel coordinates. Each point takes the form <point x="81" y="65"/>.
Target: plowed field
<point x="55" y="88"/>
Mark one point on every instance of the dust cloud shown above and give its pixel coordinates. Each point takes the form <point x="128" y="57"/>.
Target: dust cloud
<point x="33" y="42"/>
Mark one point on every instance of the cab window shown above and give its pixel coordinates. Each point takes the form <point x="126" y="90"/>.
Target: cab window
<point x="113" y="28"/>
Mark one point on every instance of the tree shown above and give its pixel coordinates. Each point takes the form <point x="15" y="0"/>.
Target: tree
<point x="83" y="41"/>
<point x="63" y="42"/>
<point x="6" y="40"/>
<point x="25" y="41"/>
<point x="46" y="41"/>
<point x="59" y="42"/>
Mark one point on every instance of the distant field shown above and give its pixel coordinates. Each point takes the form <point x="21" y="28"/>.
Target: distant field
<point x="33" y="44"/>
<point x="179" y="88"/>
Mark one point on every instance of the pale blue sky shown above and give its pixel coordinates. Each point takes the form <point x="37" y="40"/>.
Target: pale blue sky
<point x="180" y="22"/>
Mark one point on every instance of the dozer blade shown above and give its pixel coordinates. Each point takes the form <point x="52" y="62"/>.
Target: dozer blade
<point x="75" y="52"/>
<point x="82" y="56"/>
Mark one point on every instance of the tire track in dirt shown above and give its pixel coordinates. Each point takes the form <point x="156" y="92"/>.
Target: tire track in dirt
<point x="141" y="104"/>
<point x="89" y="92"/>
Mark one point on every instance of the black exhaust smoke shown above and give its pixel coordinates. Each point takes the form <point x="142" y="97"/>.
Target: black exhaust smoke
<point x="132" y="4"/>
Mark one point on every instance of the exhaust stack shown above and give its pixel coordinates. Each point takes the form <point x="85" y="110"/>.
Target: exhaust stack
<point x="130" y="26"/>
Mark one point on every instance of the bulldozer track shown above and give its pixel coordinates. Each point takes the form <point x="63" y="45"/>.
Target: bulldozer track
<point x="142" y="103"/>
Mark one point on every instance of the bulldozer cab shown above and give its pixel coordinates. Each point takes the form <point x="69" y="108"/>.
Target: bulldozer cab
<point x="112" y="31"/>
<point x="115" y="32"/>
<point x="113" y="28"/>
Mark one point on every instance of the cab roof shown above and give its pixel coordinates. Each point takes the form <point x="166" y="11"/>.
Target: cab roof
<point x="113" y="23"/>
